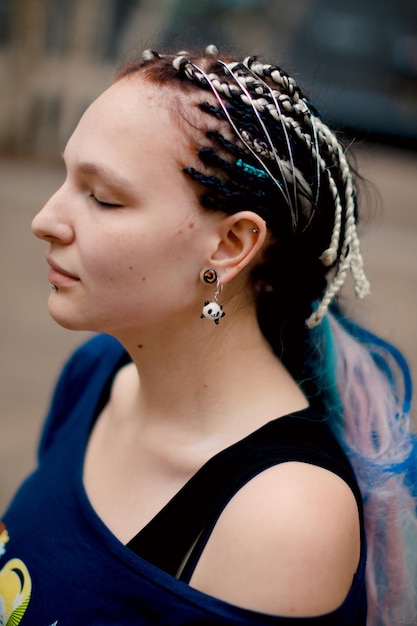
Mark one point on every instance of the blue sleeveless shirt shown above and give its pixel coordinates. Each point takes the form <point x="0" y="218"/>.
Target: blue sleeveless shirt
<point x="61" y="566"/>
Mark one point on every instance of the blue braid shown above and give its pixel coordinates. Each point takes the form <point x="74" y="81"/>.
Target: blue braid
<point x="249" y="169"/>
<point x="376" y="345"/>
<point x="391" y="362"/>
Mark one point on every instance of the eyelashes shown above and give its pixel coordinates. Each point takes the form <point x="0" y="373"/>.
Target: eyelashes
<point x="104" y="204"/>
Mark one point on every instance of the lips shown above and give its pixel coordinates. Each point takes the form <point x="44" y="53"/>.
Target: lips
<point x="59" y="276"/>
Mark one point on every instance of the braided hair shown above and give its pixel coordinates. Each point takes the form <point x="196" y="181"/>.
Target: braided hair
<point x="262" y="146"/>
<point x="267" y="150"/>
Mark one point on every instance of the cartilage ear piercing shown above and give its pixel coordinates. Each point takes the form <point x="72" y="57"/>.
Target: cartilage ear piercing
<point x="213" y="310"/>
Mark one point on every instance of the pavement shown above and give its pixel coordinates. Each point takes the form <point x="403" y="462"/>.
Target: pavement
<point x="33" y="347"/>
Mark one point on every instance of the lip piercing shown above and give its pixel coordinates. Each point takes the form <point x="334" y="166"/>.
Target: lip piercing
<point x="54" y="288"/>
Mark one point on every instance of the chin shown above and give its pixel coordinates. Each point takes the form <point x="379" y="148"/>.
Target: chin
<point x="70" y="322"/>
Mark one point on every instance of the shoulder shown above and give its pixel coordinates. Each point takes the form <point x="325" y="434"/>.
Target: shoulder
<point x="288" y="543"/>
<point x="98" y="347"/>
<point x="91" y="361"/>
<point x="89" y="366"/>
<point x="97" y="350"/>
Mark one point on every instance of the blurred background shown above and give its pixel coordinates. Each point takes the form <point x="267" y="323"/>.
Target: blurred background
<point x="356" y="60"/>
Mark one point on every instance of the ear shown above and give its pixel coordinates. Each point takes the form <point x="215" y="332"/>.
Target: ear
<point x="242" y="236"/>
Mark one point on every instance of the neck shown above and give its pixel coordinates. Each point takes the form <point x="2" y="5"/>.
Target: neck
<point x="204" y="378"/>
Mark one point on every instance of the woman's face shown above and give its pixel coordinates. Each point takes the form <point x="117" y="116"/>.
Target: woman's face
<point x="127" y="237"/>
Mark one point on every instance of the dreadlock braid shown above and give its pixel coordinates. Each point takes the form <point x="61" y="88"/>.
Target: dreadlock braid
<point x="279" y="156"/>
<point x="290" y="109"/>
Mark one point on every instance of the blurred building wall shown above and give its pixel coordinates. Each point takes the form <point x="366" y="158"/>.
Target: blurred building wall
<point x="53" y="61"/>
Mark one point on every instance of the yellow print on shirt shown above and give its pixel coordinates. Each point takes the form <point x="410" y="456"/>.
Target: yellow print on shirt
<point x="15" y="586"/>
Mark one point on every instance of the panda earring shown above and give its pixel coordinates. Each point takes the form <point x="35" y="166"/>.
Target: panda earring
<point x="213" y="310"/>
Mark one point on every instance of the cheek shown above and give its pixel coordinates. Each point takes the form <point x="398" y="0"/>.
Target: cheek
<point x="163" y="243"/>
<point x="139" y="260"/>
<point x="102" y="264"/>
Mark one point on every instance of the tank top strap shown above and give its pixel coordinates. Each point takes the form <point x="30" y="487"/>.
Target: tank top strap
<point x="187" y="520"/>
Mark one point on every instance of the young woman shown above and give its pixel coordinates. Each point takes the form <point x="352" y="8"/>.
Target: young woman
<point x="229" y="449"/>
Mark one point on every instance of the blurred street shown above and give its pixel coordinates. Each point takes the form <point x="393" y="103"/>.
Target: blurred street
<point x="33" y="347"/>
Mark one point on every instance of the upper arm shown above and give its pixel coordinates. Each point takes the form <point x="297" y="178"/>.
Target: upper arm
<point x="288" y="543"/>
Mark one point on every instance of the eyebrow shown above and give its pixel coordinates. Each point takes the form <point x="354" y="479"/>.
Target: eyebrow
<point x="100" y="171"/>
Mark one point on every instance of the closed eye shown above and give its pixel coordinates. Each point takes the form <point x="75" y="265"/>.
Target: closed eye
<point x="103" y="203"/>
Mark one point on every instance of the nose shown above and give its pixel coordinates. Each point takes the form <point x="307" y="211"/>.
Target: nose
<point x="52" y="223"/>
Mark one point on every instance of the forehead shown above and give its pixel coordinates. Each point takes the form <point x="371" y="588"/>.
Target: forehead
<point x="131" y="118"/>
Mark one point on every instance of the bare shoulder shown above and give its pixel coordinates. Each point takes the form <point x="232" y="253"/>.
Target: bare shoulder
<point x="288" y="543"/>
